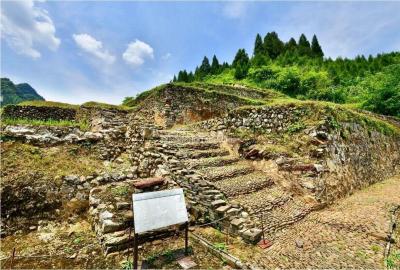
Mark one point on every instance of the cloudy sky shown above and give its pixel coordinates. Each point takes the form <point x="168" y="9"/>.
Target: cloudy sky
<point x="104" y="51"/>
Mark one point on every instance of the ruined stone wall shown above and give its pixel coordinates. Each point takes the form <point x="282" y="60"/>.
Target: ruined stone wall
<point x="357" y="157"/>
<point x="350" y="156"/>
<point x="101" y="119"/>
<point x="39" y="112"/>
<point x="183" y="105"/>
<point x="261" y="119"/>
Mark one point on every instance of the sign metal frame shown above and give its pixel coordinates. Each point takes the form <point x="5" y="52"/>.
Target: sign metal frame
<point x="147" y="207"/>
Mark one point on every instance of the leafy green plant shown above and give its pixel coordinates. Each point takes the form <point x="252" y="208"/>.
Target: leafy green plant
<point x="151" y="258"/>
<point x="77" y="240"/>
<point x="169" y="255"/>
<point x="127" y="265"/>
<point x="220" y="246"/>
<point x="296" y="127"/>
<point x="389" y="263"/>
<point x="120" y="191"/>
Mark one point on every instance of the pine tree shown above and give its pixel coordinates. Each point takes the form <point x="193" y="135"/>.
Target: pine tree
<point x="241" y="58"/>
<point x="190" y="77"/>
<point x="174" y="79"/>
<point x="304" y="46"/>
<point x="182" y="76"/>
<point x="273" y="46"/>
<point x="291" y="45"/>
<point x="215" y="66"/>
<point x="258" y="46"/>
<point x="241" y="63"/>
<point x="205" y="67"/>
<point x="316" y="48"/>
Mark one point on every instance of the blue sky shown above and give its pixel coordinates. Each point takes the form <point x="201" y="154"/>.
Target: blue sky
<point x="104" y="51"/>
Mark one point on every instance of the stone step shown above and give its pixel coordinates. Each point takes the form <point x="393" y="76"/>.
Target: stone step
<point x="211" y="162"/>
<point x="183" y="137"/>
<point x="190" y="145"/>
<point x="223" y="172"/>
<point x="202" y="153"/>
<point x="283" y="216"/>
<point x="262" y="200"/>
<point x="244" y="184"/>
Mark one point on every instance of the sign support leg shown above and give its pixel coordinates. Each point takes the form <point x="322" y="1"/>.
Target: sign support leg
<point x="135" y="251"/>
<point x="187" y="239"/>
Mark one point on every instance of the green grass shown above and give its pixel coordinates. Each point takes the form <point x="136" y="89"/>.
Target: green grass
<point x="120" y="191"/>
<point x="84" y="126"/>
<point x="90" y="104"/>
<point x="42" y="103"/>
<point x="93" y="104"/>
<point x="220" y="246"/>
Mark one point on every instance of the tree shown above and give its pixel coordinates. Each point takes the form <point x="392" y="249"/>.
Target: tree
<point x="174" y="79"/>
<point x="273" y="46"/>
<point x="316" y="48"/>
<point x="291" y="45"/>
<point x="215" y="66"/>
<point x="225" y="65"/>
<point x="258" y="46"/>
<point x="241" y="63"/>
<point x="182" y="76"/>
<point x="304" y="47"/>
<point x="205" y="67"/>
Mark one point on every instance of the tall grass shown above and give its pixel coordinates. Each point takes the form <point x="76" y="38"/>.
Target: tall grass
<point x="82" y="125"/>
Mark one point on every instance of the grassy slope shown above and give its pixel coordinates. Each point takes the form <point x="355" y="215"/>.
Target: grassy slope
<point x="20" y="160"/>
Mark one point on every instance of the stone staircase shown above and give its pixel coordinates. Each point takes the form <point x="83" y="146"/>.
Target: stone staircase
<point x="219" y="186"/>
<point x="246" y="191"/>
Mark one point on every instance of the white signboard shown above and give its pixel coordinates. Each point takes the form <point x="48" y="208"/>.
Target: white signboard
<point x="154" y="210"/>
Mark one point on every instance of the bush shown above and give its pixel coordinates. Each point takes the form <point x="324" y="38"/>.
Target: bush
<point x="241" y="71"/>
<point x="262" y="74"/>
<point x="288" y="81"/>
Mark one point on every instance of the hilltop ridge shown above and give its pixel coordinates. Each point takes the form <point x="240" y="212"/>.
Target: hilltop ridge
<point x="15" y="93"/>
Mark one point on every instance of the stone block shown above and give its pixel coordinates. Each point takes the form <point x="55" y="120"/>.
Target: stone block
<point x="232" y="212"/>
<point x="223" y="209"/>
<point x="237" y="222"/>
<point x="111" y="226"/>
<point x="218" y="203"/>
<point x="252" y="236"/>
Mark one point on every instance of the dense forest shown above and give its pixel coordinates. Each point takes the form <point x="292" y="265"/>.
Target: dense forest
<point x="300" y="70"/>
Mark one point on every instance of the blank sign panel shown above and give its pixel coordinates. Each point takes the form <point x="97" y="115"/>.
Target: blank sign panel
<point x="155" y="210"/>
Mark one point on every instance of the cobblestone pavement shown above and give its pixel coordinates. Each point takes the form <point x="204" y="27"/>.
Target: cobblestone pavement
<point x="348" y="234"/>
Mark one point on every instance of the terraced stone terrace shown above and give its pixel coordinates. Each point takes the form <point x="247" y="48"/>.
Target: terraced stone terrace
<point x="244" y="184"/>
<point x="246" y="187"/>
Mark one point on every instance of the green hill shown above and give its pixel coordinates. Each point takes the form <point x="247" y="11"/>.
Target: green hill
<point x="15" y="93"/>
<point x="300" y="70"/>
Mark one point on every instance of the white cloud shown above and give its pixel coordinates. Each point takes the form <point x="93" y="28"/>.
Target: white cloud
<point x="94" y="47"/>
<point x="25" y="27"/>
<point x="166" y="56"/>
<point x="137" y="52"/>
<point x="234" y="10"/>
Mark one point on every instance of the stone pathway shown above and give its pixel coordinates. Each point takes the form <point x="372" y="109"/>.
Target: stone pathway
<point x="349" y="234"/>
